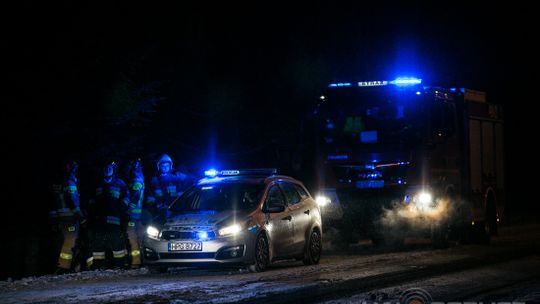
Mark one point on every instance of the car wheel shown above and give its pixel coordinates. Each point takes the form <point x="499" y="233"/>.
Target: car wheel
<point x="439" y="235"/>
<point x="491" y="214"/>
<point x="312" y="252"/>
<point x="480" y="233"/>
<point x="262" y="256"/>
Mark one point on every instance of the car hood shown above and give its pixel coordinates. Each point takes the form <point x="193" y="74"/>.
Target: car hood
<point x="206" y="218"/>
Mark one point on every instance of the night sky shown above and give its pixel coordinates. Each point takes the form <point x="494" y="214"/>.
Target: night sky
<point x="231" y="85"/>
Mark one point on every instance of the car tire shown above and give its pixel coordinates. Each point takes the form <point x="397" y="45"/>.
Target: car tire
<point x="491" y="214"/>
<point x="480" y="233"/>
<point x="439" y="236"/>
<point x="313" y="249"/>
<point x="262" y="254"/>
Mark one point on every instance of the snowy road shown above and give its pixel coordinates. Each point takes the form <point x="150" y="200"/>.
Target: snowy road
<point x="506" y="270"/>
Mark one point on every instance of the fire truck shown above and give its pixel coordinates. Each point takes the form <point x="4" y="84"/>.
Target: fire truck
<point x="397" y="158"/>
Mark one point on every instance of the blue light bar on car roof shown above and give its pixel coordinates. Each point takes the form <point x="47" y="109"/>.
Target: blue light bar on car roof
<point x="210" y="173"/>
<point x="259" y="171"/>
<point x="229" y="172"/>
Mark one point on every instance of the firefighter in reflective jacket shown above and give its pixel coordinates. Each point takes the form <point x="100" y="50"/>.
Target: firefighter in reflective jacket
<point x="165" y="187"/>
<point x="66" y="215"/>
<point x="134" y="227"/>
<point x="106" y="214"/>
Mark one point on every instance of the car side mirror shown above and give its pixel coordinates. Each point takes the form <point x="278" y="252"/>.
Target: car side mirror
<point x="275" y="209"/>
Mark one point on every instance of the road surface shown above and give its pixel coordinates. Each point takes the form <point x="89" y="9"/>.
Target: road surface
<point x="508" y="269"/>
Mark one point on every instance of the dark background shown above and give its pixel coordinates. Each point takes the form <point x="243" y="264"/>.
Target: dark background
<point x="230" y="86"/>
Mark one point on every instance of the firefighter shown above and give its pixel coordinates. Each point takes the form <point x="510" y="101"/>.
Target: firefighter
<point x="134" y="227"/>
<point x="165" y="187"/>
<point x="107" y="212"/>
<point x="66" y="215"/>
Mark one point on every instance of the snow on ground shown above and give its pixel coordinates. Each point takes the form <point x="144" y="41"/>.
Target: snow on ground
<point x="515" y="281"/>
<point x="85" y="276"/>
<point x="439" y="271"/>
<point x="214" y="286"/>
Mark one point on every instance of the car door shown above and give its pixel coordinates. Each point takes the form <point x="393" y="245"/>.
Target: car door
<point x="300" y="213"/>
<point x="279" y="225"/>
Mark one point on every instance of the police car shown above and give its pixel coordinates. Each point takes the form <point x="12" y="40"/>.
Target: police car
<point x="237" y="217"/>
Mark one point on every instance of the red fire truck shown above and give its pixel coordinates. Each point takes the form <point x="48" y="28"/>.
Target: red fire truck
<point x="398" y="157"/>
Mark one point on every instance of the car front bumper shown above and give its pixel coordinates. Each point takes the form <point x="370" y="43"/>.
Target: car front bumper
<point x="238" y="249"/>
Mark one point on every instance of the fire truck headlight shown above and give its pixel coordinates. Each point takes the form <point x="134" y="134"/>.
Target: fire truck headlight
<point x="424" y="200"/>
<point x="322" y="200"/>
<point x="152" y="232"/>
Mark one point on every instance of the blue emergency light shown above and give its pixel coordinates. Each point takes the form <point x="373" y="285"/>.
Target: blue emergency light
<point x="400" y="81"/>
<point x="258" y="171"/>
<point x="339" y="84"/>
<point x="211" y="173"/>
<point x="202" y="235"/>
<point x="406" y="81"/>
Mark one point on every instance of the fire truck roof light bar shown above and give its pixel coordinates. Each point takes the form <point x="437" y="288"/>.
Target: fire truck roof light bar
<point x="404" y="81"/>
<point x="400" y="81"/>
<point x="339" y="84"/>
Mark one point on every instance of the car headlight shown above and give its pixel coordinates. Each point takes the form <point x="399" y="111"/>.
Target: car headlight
<point x="322" y="200"/>
<point x="152" y="232"/>
<point x="230" y="230"/>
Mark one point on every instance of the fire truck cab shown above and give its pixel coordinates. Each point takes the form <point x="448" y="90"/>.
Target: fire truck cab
<point x="397" y="157"/>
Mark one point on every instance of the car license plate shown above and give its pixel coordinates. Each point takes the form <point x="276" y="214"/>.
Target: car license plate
<point x="185" y="246"/>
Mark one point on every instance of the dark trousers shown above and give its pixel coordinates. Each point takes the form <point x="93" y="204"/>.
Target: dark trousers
<point x="107" y="246"/>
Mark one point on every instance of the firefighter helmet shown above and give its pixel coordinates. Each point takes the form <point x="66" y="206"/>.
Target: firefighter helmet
<point x="110" y="169"/>
<point x="71" y="167"/>
<point x="164" y="159"/>
<point x="135" y="166"/>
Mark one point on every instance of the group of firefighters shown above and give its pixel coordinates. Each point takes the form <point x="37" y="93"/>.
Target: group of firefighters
<point x="107" y="232"/>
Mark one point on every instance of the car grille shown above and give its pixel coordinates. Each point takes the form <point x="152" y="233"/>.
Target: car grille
<point x="186" y="235"/>
<point x="187" y="255"/>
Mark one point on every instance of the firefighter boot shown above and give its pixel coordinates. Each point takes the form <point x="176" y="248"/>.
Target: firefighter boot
<point x="134" y="248"/>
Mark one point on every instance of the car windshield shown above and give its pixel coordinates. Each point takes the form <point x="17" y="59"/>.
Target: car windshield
<point x="219" y="197"/>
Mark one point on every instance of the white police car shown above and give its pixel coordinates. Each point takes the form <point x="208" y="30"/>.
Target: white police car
<point x="237" y="217"/>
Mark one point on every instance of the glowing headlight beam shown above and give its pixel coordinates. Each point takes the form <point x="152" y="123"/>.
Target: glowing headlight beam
<point x="230" y="230"/>
<point x="322" y="200"/>
<point x="152" y="232"/>
<point x="424" y="198"/>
